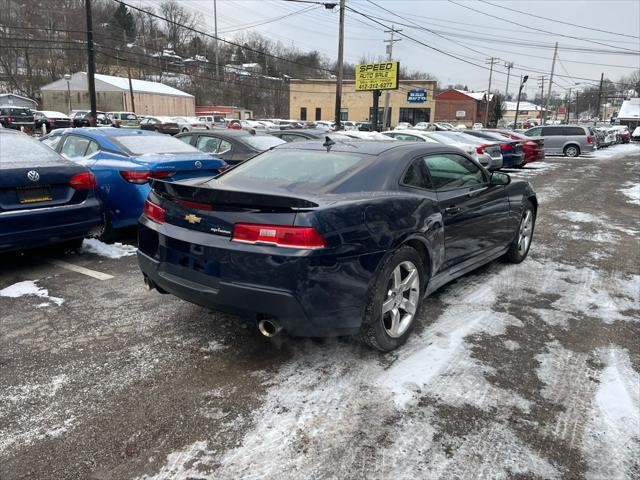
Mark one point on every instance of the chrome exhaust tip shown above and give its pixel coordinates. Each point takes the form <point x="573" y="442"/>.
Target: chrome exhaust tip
<point x="269" y="328"/>
<point x="148" y="284"/>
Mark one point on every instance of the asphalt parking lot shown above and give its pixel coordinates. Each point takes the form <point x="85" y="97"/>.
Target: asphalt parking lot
<point x="527" y="371"/>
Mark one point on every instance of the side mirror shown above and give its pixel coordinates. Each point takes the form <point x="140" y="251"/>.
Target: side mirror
<point x="499" y="178"/>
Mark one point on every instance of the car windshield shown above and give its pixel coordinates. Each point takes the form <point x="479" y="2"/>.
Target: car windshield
<point x="146" y="144"/>
<point x="19" y="148"/>
<point x="128" y="116"/>
<point x="262" y="142"/>
<point x="17" y="111"/>
<point x="296" y="170"/>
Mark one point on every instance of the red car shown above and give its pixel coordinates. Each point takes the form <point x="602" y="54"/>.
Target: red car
<point x="533" y="147"/>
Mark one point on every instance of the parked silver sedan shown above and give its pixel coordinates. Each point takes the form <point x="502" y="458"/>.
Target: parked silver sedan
<point x="189" y="124"/>
<point x="486" y="153"/>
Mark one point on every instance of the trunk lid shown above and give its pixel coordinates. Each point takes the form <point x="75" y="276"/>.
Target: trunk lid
<point x="183" y="165"/>
<point x="196" y="206"/>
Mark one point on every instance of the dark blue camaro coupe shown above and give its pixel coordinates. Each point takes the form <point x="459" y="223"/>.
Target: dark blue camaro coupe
<point x="333" y="238"/>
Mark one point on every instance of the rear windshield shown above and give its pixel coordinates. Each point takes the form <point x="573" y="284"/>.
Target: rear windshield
<point x="448" y="137"/>
<point x="128" y="116"/>
<point x="142" y="144"/>
<point x="296" y="170"/>
<point x="19" y="148"/>
<point x="262" y="142"/>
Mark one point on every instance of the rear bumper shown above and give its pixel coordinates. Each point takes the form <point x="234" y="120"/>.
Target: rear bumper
<point x="307" y="296"/>
<point x="42" y="226"/>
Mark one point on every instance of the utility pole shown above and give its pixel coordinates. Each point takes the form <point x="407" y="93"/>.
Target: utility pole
<point x="541" y="96"/>
<point x="577" y="105"/>
<point x="509" y="66"/>
<point x="566" y="120"/>
<point x="491" y="62"/>
<point x="523" y="80"/>
<point x="215" y="34"/>
<point x="91" y="70"/>
<point x="126" y="46"/>
<point x="553" y="67"/>
<point x="391" y="41"/>
<point x="600" y="97"/>
<point x="340" y="60"/>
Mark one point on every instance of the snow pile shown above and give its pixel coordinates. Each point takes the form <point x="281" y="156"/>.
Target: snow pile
<point x="612" y="438"/>
<point x="115" y="250"/>
<point x="29" y="288"/>
<point x="631" y="190"/>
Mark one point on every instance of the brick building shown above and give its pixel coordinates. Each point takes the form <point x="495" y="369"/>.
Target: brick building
<point x="460" y="107"/>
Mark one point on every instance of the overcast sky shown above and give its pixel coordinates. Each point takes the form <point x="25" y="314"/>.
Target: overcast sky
<point x="471" y="36"/>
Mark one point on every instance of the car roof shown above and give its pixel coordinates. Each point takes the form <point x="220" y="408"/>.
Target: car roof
<point x="368" y="147"/>
<point x="93" y="132"/>
<point x="225" y="133"/>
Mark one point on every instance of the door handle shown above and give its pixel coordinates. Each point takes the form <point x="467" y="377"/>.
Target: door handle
<point x="452" y="210"/>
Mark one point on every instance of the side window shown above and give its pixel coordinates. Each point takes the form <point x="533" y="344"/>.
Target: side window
<point x="290" y="137"/>
<point x="91" y="149"/>
<point x="224" y="147"/>
<point x="416" y="175"/>
<point x="407" y="138"/>
<point x="53" y="141"/>
<point x="449" y="171"/>
<point x="74" y="146"/>
<point x="573" y="131"/>
<point x="186" y="139"/>
<point x="534" y="132"/>
<point x="552" y="131"/>
<point x="208" y="144"/>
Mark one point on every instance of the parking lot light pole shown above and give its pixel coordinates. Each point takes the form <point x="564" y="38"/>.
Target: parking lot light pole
<point x="523" y="80"/>
<point x="67" y="77"/>
<point x="340" y="66"/>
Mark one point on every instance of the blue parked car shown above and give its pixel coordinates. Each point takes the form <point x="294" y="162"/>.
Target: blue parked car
<point x="124" y="161"/>
<point x="44" y="198"/>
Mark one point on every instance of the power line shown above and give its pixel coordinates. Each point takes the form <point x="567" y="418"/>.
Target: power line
<point x="537" y="29"/>
<point x="559" y="21"/>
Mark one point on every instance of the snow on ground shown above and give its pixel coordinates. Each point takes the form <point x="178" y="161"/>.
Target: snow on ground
<point x="29" y="288"/>
<point x="532" y="169"/>
<point x="600" y="221"/>
<point x="615" y="151"/>
<point x="612" y="438"/>
<point x="321" y="397"/>
<point x="115" y="250"/>
<point x="187" y="464"/>
<point x="631" y="190"/>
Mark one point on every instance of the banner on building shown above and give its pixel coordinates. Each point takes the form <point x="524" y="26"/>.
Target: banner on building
<point x="377" y="76"/>
<point x="417" y="95"/>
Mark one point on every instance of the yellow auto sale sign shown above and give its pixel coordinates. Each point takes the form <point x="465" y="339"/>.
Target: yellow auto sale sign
<point x="377" y="76"/>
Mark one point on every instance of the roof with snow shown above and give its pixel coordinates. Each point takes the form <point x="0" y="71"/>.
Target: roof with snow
<point x="475" y="95"/>
<point x="528" y="106"/>
<point x="110" y="83"/>
<point x="630" y="109"/>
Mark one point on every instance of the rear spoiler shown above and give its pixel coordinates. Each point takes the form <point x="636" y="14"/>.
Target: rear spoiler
<point x="219" y="196"/>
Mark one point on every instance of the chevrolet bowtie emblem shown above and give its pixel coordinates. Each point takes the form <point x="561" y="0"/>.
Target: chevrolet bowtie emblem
<point x="191" y="218"/>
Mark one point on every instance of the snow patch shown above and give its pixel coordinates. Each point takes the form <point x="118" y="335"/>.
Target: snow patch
<point x="631" y="190"/>
<point x="194" y="462"/>
<point x="29" y="288"/>
<point x="612" y="438"/>
<point x="213" y="346"/>
<point x="614" y="151"/>
<point x="115" y="250"/>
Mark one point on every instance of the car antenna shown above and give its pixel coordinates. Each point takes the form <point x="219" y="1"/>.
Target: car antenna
<point x="328" y="143"/>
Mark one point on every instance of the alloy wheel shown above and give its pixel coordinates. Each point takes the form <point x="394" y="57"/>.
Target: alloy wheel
<point x="572" y="151"/>
<point x="526" y="227"/>
<point x="401" y="302"/>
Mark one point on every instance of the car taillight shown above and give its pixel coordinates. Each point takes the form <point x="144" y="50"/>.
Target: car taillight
<point x="83" y="181"/>
<point x="153" y="211"/>
<point x="9" y="119"/>
<point x="291" y="237"/>
<point x="143" y="176"/>
<point x="480" y="149"/>
<point x="589" y="139"/>
<point x="506" y="146"/>
<point x="196" y="205"/>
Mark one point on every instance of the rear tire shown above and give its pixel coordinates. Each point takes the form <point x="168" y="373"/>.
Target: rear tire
<point x="521" y="244"/>
<point x="394" y="301"/>
<point x="572" y="151"/>
<point x="107" y="234"/>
